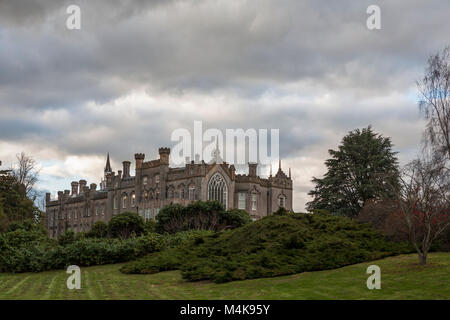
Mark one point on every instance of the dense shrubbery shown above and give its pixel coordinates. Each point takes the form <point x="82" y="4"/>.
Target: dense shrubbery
<point x="25" y="249"/>
<point x="40" y="254"/>
<point x="200" y="215"/>
<point x="281" y="244"/>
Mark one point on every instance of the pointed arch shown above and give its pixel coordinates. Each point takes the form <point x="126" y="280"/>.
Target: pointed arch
<point x="218" y="189"/>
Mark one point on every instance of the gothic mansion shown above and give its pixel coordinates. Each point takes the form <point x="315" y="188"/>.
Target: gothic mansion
<point x="155" y="185"/>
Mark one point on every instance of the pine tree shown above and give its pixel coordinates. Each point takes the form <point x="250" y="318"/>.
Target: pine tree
<point x="364" y="167"/>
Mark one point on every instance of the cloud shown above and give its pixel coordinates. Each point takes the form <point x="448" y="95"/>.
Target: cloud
<point x="137" y="70"/>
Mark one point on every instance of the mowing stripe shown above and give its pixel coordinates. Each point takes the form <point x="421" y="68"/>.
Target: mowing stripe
<point x="17" y="285"/>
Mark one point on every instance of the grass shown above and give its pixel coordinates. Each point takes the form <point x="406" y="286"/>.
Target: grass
<point x="401" y="278"/>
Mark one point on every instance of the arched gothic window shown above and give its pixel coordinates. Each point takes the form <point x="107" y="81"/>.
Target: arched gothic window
<point x="217" y="189"/>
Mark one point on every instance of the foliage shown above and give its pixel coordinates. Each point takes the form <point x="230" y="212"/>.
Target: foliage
<point x="15" y="206"/>
<point x="99" y="230"/>
<point x="402" y="278"/>
<point x="125" y="224"/>
<point x="364" y="167"/>
<point x="200" y="215"/>
<point x="150" y="226"/>
<point x="275" y="245"/>
<point x="67" y="237"/>
<point x="34" y="254"/>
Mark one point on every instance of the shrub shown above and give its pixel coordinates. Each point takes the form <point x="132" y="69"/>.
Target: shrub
<point x="81" y="252"/>
<point x="125" y="224"/>
<point x="99" y="230"/>
<point x="274" y="245"/>
<point x="200" y="215"/>
<point x="66" y="238"/>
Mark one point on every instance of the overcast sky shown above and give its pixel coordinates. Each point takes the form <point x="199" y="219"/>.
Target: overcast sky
<point x="137" y="70"/>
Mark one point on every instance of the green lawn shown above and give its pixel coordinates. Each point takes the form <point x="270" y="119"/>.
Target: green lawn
<point x="401" y="278"/>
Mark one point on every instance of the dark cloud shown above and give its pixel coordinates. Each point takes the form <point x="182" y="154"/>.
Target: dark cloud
<point x="139" y="69"/>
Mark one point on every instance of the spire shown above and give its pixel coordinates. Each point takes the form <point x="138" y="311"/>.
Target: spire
<point x="108" y="165"/>
<point x="216" y="153"/>
<point x="270" y="170"/>
<point x="289" y="173"/>
<point x="279" y="164"/>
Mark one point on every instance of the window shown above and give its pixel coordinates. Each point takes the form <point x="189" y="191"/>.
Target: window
<point x="254" y="201"/>
<point x="96" y="210"/>
<point x="241" y="200"/>
<point x="116" y="203"/>
<point x="147" y="214"/>
<point x="182" y="193"/>
<point x="124" y="201"/>
<point x="192" y="193"/>
<point x="217" y="189"/>
<point x="145" y="181"/>
<point x="157" y="179"/>
<point x="133" y="199"/>
<point x="146" y="195"/>
<point x="157" y="194"/>
<point x="103" y="209"/>
<point x="156" y="211"/>
<point x="282" y="201"/>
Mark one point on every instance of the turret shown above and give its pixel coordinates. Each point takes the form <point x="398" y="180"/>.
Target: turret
<point x="164" y="154"/>
<point x="139" y="157"/>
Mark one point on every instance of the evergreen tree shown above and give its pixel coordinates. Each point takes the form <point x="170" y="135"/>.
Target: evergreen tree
<point x="364" y="167"/>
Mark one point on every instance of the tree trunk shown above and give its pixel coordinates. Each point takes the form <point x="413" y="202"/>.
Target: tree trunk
<point x="423" y="259"/>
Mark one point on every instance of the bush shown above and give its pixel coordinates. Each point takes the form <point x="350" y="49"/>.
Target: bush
<point x="126" y="224"/>
<point x="150" y="226"/>
<point x="67" y="237"/>
<point x="99" y="230"/>
<point x="200" y="215"/>
<point x="82" y="252"/>
<point x="276" y="245"/>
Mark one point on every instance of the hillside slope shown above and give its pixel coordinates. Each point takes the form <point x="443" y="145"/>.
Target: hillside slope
<point x="273" y="246"/>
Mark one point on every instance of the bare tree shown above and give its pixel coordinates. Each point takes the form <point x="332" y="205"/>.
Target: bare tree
<point x="423" y="200"/>
<point x="435" y="101"/>
<point x="26" y="173"/>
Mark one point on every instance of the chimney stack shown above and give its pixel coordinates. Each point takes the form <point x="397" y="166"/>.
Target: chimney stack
<point x="93" y="187"/>
<point x="82" y="184"/>
<point x="60" y="195"/>
<point x="126" y="168"/>
<point x="74" y="185"/>
<point x="252" y="169"/>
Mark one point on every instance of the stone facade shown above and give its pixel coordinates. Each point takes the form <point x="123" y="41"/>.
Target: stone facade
<point x="155" y="185"/>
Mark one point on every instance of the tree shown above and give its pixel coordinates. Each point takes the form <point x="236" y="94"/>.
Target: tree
<point x="361" y="169"/>
<point x="435" y="102"/>
<point x="125" y="224"/>
<point x="14" y="203"/>
<point x="423" y="200"/>
<point x="99" y="230"/>
<point x="26" y="173"/>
